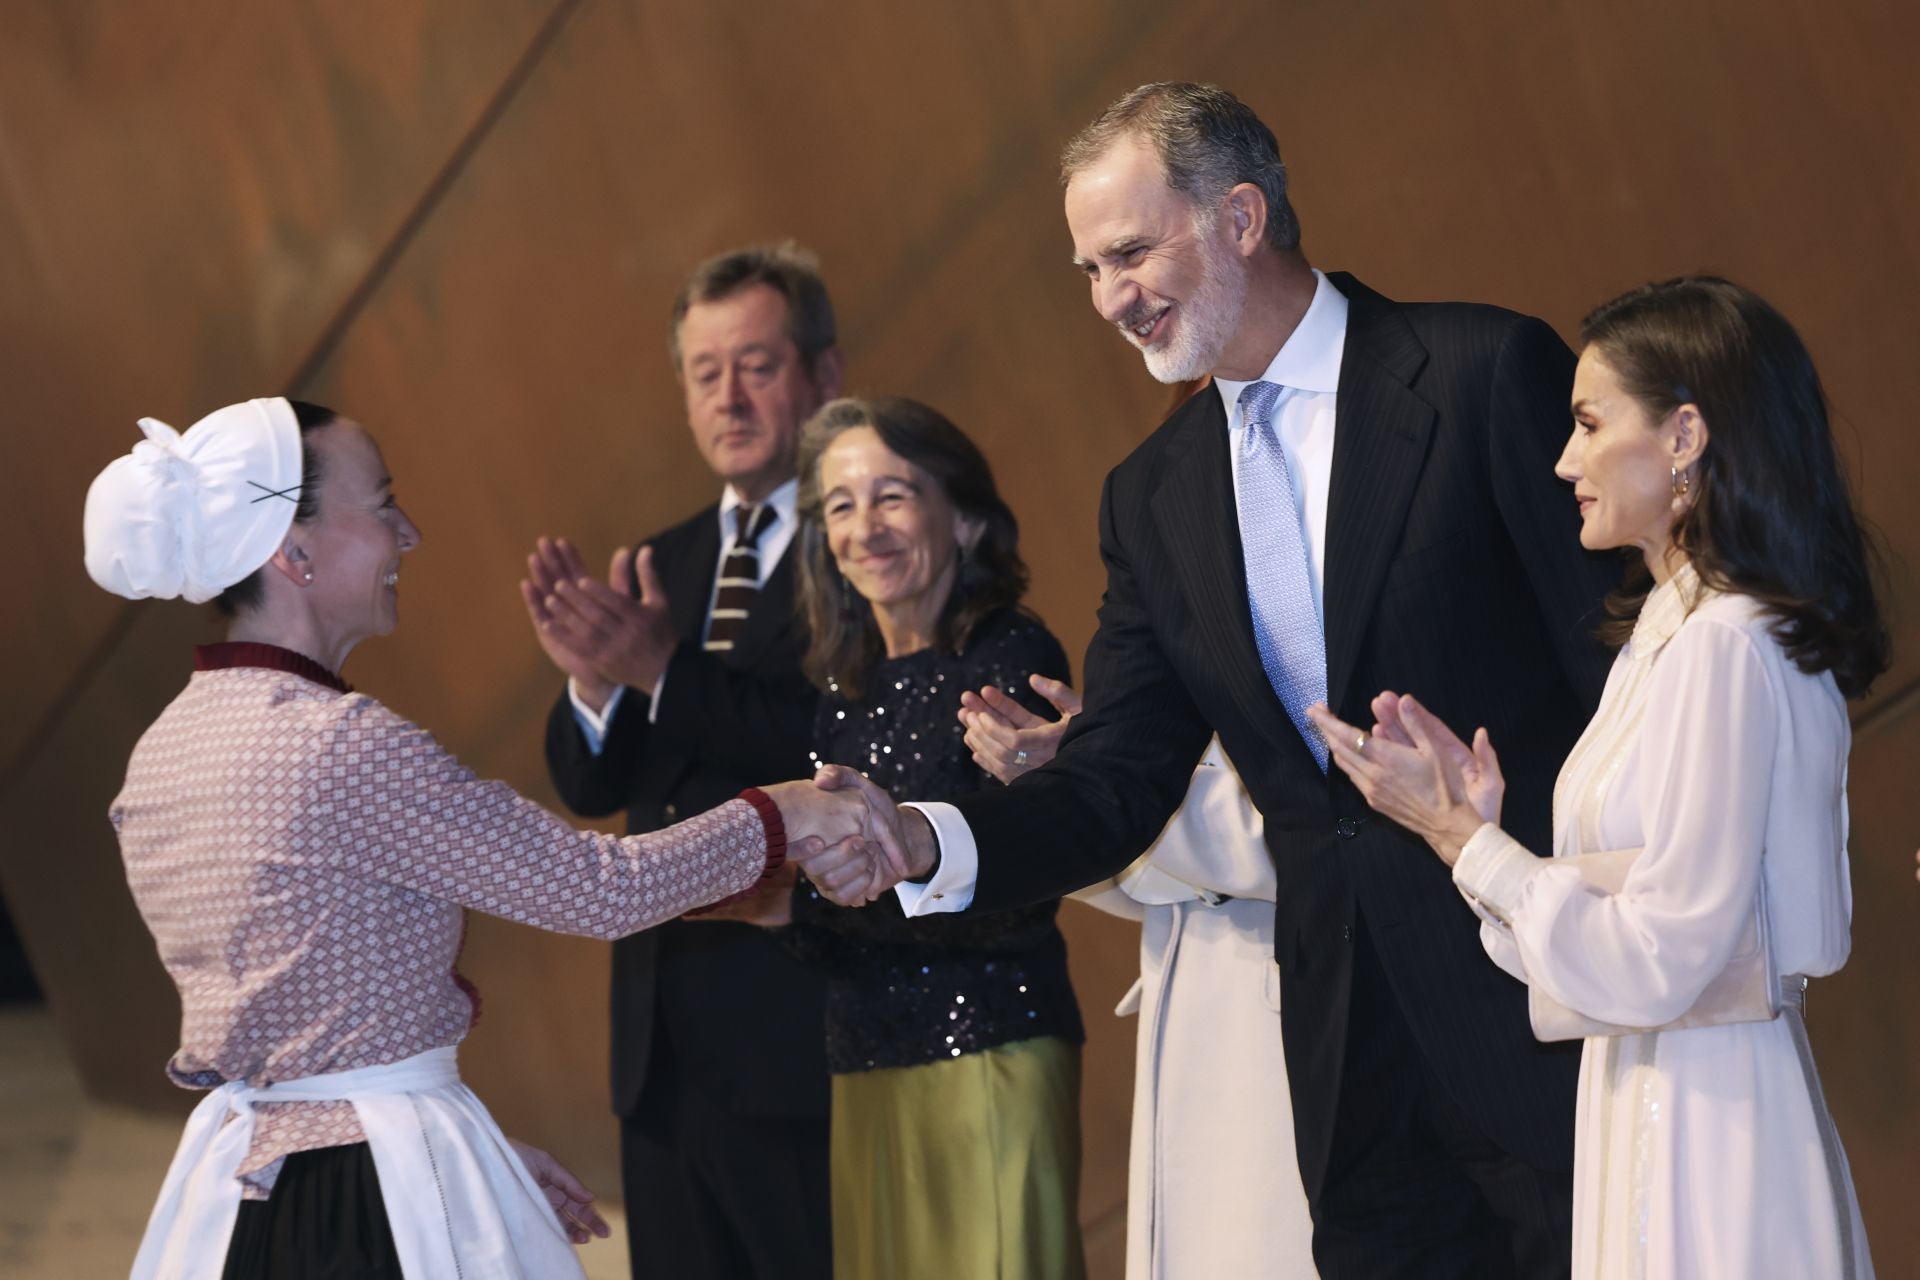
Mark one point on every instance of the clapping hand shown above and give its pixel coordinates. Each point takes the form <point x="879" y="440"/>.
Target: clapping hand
<point x="572" y="1202"/>
<point x="1008" y="740"/>
<point x="552" y="562"/>
<point x="1411" y="768"/>
<point x="597" y="632"/>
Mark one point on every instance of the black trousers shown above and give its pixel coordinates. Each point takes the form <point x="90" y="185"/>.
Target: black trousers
<point x="324" y="1221"/>
<point x="715" y="1195"/>
<point x="1413" y="1188"/>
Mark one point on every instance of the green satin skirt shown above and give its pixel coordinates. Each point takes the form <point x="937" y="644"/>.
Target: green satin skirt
<point x="966" y="1170"/>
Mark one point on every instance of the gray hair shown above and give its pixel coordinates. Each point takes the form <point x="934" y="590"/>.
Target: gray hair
<point x="1208" y="141"/>
<point x="787" y="269"/>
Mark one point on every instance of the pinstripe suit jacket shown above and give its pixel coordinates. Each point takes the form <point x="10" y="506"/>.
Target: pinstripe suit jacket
<point x="1453" y="571"/>
<point x="729" y="998"/>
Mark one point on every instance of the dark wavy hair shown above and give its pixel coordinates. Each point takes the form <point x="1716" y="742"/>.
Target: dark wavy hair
<point x="1772" y="515"/>
<point x="846" y="644"/>
<point x="246" y="593"/>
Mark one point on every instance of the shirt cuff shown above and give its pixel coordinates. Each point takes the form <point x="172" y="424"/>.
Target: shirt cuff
<point x="951" y="888"/>
<point x="653" y="706"/>
<point x="593" y="724"/>
<point x="1493" y="870"/>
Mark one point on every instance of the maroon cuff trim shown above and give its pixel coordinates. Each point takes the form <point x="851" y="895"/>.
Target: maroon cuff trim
<point x="775" y="825"/>
<point x="776" y="828"/>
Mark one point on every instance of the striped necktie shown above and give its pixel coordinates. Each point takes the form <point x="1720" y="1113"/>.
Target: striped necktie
<point x="739" y="583"/>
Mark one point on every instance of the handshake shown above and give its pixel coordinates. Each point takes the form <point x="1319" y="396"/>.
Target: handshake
<point x="849" y="837"/>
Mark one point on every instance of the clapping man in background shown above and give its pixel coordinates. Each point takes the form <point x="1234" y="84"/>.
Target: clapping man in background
<point x="683" y="687"/>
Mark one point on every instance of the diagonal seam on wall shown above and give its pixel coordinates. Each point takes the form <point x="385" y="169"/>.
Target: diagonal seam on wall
<point x="327" y="341"/>
<point x="335" y="330"/>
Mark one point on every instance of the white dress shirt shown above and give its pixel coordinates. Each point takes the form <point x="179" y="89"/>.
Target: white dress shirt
<point x="773" y="544"/>
<point x="1308" y="366"/>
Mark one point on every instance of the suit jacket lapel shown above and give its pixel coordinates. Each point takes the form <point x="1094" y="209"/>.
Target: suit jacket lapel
<point x="689" y="581"/>
<point x="1199" y="524"/>
<point x="686" y="568"/>
<point x="1380" y="444"/>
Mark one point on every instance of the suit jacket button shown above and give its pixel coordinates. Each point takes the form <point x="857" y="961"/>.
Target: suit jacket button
<point x="1346" y="933"/>
<point x="1346" y="827"/>
<point x="672" y="812"/>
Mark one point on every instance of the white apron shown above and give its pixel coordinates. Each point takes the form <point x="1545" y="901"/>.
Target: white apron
<point x="458" y="1199"/>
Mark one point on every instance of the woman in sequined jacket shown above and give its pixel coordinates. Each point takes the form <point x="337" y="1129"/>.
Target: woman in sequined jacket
<point x="953" y="1041"/>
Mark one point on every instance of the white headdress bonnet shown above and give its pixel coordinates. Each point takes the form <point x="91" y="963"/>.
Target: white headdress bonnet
<point x="190" y="514"/>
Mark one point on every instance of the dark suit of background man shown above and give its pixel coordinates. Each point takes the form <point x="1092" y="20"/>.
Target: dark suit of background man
<point x="719" y="1069"/>
<point x="1434" y="552"/>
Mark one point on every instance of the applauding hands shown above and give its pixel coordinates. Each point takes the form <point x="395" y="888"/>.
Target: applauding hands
<point x="842" y="830"/>
<point x="597" y="632"/>
<point x="1008" y="740"/>
<point x="1411" y="768"/>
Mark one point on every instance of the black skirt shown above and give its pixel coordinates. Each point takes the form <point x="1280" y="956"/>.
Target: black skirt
<point x="324" y="1221"/>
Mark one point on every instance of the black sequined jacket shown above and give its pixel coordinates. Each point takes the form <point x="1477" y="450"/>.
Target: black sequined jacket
<point x="904" y="992"/>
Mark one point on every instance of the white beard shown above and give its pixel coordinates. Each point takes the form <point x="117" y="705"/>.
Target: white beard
<point x="1206" y="322"/>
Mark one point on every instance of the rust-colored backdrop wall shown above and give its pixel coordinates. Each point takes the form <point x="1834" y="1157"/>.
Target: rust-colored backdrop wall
<point x="463" y="224"/>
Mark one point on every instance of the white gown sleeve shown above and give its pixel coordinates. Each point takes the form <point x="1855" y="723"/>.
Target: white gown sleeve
<point x="1642" y="956"/>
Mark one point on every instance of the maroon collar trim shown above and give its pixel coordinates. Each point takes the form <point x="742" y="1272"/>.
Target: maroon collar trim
<point x="248" y="653"/>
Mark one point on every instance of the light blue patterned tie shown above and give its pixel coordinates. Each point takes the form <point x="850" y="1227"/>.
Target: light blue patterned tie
<point x="1286" y="626"/>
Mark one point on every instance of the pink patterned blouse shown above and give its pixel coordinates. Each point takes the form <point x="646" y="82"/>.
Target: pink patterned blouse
<point x="304" y="858"/>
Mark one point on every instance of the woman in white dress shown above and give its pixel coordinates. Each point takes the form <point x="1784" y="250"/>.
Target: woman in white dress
<point x="1715" y="767"/>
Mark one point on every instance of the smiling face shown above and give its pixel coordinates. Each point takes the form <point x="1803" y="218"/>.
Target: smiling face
<point x="890" y="528"/>
<point x="1621" y="462"/>
<point x="748" y="388"/>
<point x="353" y="547"/>
<point x="1163" y="272"/>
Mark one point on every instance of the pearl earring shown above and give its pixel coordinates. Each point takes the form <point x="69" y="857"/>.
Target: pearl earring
<point x="1682" y="486"/>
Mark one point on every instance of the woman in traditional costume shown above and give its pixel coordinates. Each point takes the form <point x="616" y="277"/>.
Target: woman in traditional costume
<point x="304" y="857"/>
<point x="1699" y="876"/>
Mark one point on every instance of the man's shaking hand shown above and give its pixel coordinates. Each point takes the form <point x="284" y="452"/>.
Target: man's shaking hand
<point x="849" y="838"/>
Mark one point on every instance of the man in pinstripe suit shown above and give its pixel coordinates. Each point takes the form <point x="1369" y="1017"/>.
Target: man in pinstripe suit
<point x="1364" y="500"/>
